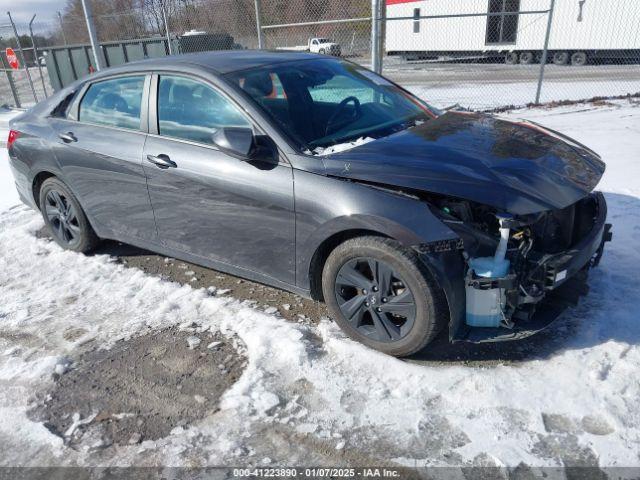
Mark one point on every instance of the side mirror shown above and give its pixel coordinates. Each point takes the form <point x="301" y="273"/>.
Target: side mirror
<point x="235" y="141"/>
<point x="240" y="142"/>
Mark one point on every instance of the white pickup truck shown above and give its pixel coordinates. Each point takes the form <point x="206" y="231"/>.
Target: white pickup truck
<point x="323" y="46"/>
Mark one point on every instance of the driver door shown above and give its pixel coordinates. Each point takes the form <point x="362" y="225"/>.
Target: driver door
<point x="209" y="204"/>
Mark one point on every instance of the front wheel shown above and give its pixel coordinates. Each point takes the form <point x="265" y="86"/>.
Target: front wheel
<point x="65" y="218"/>
<point x="381" y="295"/>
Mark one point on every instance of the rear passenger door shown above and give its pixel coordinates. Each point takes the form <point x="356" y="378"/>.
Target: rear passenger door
<point x="206" y="202"/>
<point x="99" y="146"/>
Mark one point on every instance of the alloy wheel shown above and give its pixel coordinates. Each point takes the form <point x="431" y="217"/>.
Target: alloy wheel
<point x="62" y="217"/>
<point x="375" y="300"/>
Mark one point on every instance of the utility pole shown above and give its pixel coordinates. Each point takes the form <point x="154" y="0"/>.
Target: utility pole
<point x="95" y="46"/>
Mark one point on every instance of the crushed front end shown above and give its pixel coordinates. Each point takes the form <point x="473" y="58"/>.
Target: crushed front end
<point x="519" y="273"/>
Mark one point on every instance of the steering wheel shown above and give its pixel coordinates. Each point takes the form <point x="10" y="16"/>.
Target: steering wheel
<point x="333" y="124"/>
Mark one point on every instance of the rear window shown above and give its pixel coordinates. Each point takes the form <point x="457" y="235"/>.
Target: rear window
<point x="62" y="108"/>
<point x="114" y="103"/>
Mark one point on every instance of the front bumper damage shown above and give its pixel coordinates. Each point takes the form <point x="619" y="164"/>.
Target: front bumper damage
<point x="561" y="277"/>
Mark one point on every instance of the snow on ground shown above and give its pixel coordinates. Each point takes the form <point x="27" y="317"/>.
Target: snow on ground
<point x="8" y="193"/>
<point x="485" y="96"/>
<point x="580" y="405"/>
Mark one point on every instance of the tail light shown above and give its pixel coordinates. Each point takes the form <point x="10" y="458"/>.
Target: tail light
<point x="13" y="136"/>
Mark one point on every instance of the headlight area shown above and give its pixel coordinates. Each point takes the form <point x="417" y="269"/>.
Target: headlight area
<point x="513" y="263"/>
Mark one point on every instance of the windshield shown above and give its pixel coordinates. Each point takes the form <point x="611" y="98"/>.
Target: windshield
<point x="324" y="102"/>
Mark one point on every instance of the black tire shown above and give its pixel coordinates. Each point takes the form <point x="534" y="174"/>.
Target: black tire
<point x="428" y="311"/>
<point x="527" y="58"/>
<point x="511" y="58"/>
<point x="65" y="218"/>
<point x="579" y="59"/>
<point x="561" y="58"/>
<point x="321" y="51"/>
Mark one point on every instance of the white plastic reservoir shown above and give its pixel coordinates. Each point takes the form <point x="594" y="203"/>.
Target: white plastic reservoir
<point x="485" y="306"/>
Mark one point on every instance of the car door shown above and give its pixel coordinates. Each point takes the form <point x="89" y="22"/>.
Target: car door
<point x="206" y="202"/>
<point x="99" y="147"/>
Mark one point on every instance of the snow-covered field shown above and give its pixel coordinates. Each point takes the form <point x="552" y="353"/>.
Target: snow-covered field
<point x="308" y="388"/>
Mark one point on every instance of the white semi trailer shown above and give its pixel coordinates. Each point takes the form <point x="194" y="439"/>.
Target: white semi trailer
<point x="581" y="31"/>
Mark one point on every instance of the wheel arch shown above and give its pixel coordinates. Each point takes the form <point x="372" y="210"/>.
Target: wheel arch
<point x="322" y="252"/>
<point x="37" y="182"/>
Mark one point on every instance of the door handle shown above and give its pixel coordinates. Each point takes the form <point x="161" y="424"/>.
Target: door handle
<point x="68" y="137"/>
<point x="162" y="161"/>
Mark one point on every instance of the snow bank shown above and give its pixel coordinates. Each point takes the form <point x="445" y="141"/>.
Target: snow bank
<point x="313" y="382"/>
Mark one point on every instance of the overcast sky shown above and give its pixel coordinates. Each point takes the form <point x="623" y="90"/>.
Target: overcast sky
<point x="23" y="10"/>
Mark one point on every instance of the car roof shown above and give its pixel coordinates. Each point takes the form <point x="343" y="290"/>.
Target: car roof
<point x="220" y="62"/>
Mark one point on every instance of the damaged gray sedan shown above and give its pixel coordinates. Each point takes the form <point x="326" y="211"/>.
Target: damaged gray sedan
<point x="315" y="175"/>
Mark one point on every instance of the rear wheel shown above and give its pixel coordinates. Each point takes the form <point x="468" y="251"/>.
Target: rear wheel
<point x="579" y="59"/>
<point x="527" y="58"/>
<point x="65" y="218"/>
<point x="561" y="58"/>
<point x="321" y="51"/>
<point x="511" y="58"/>
<point x="381" y="295"/>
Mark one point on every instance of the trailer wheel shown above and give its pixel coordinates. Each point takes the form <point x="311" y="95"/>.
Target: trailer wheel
<point x="561" y="58"/>
<point x="511" y="58"/>
<point x="527" y="58"/>
<point x="579" y="59"/>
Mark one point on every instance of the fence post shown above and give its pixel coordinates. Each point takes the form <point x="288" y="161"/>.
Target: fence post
<point x="12" y="86"/>
<point x="543" y="60"/>
<point x="24" y="61"/>
<point x="35" y="55"/>
<point x="95" y="46"/>
<point x="166" y="27"/>
<point x="64" y="37"/>
<point x="259" y="24"/>
<point x="376" y="36"/>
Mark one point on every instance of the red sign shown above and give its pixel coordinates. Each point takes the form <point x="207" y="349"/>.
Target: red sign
<point x="12" y="58"/>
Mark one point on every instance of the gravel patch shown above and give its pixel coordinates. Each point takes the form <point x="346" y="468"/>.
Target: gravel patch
<point x="139" y="390"/>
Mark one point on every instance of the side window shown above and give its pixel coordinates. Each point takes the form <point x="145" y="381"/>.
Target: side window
<point x="191" y="110"/>
<point x="502" y="28"/>
<point x="115" y="103"/>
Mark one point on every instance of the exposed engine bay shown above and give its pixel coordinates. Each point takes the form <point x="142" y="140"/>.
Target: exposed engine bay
<point x="513" y="262"/>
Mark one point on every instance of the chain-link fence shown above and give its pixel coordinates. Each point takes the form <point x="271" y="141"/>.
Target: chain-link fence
<point x="28" y="83"/>
<point x="484" y="54"/>
<point x="479" y="54"/>
<point x="338" y="27"/>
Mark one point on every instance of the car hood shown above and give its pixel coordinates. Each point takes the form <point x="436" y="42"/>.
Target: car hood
<point x="517" y="167"/>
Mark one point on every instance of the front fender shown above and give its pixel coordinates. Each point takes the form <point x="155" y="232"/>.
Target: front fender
<point x="326" y="206"/>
